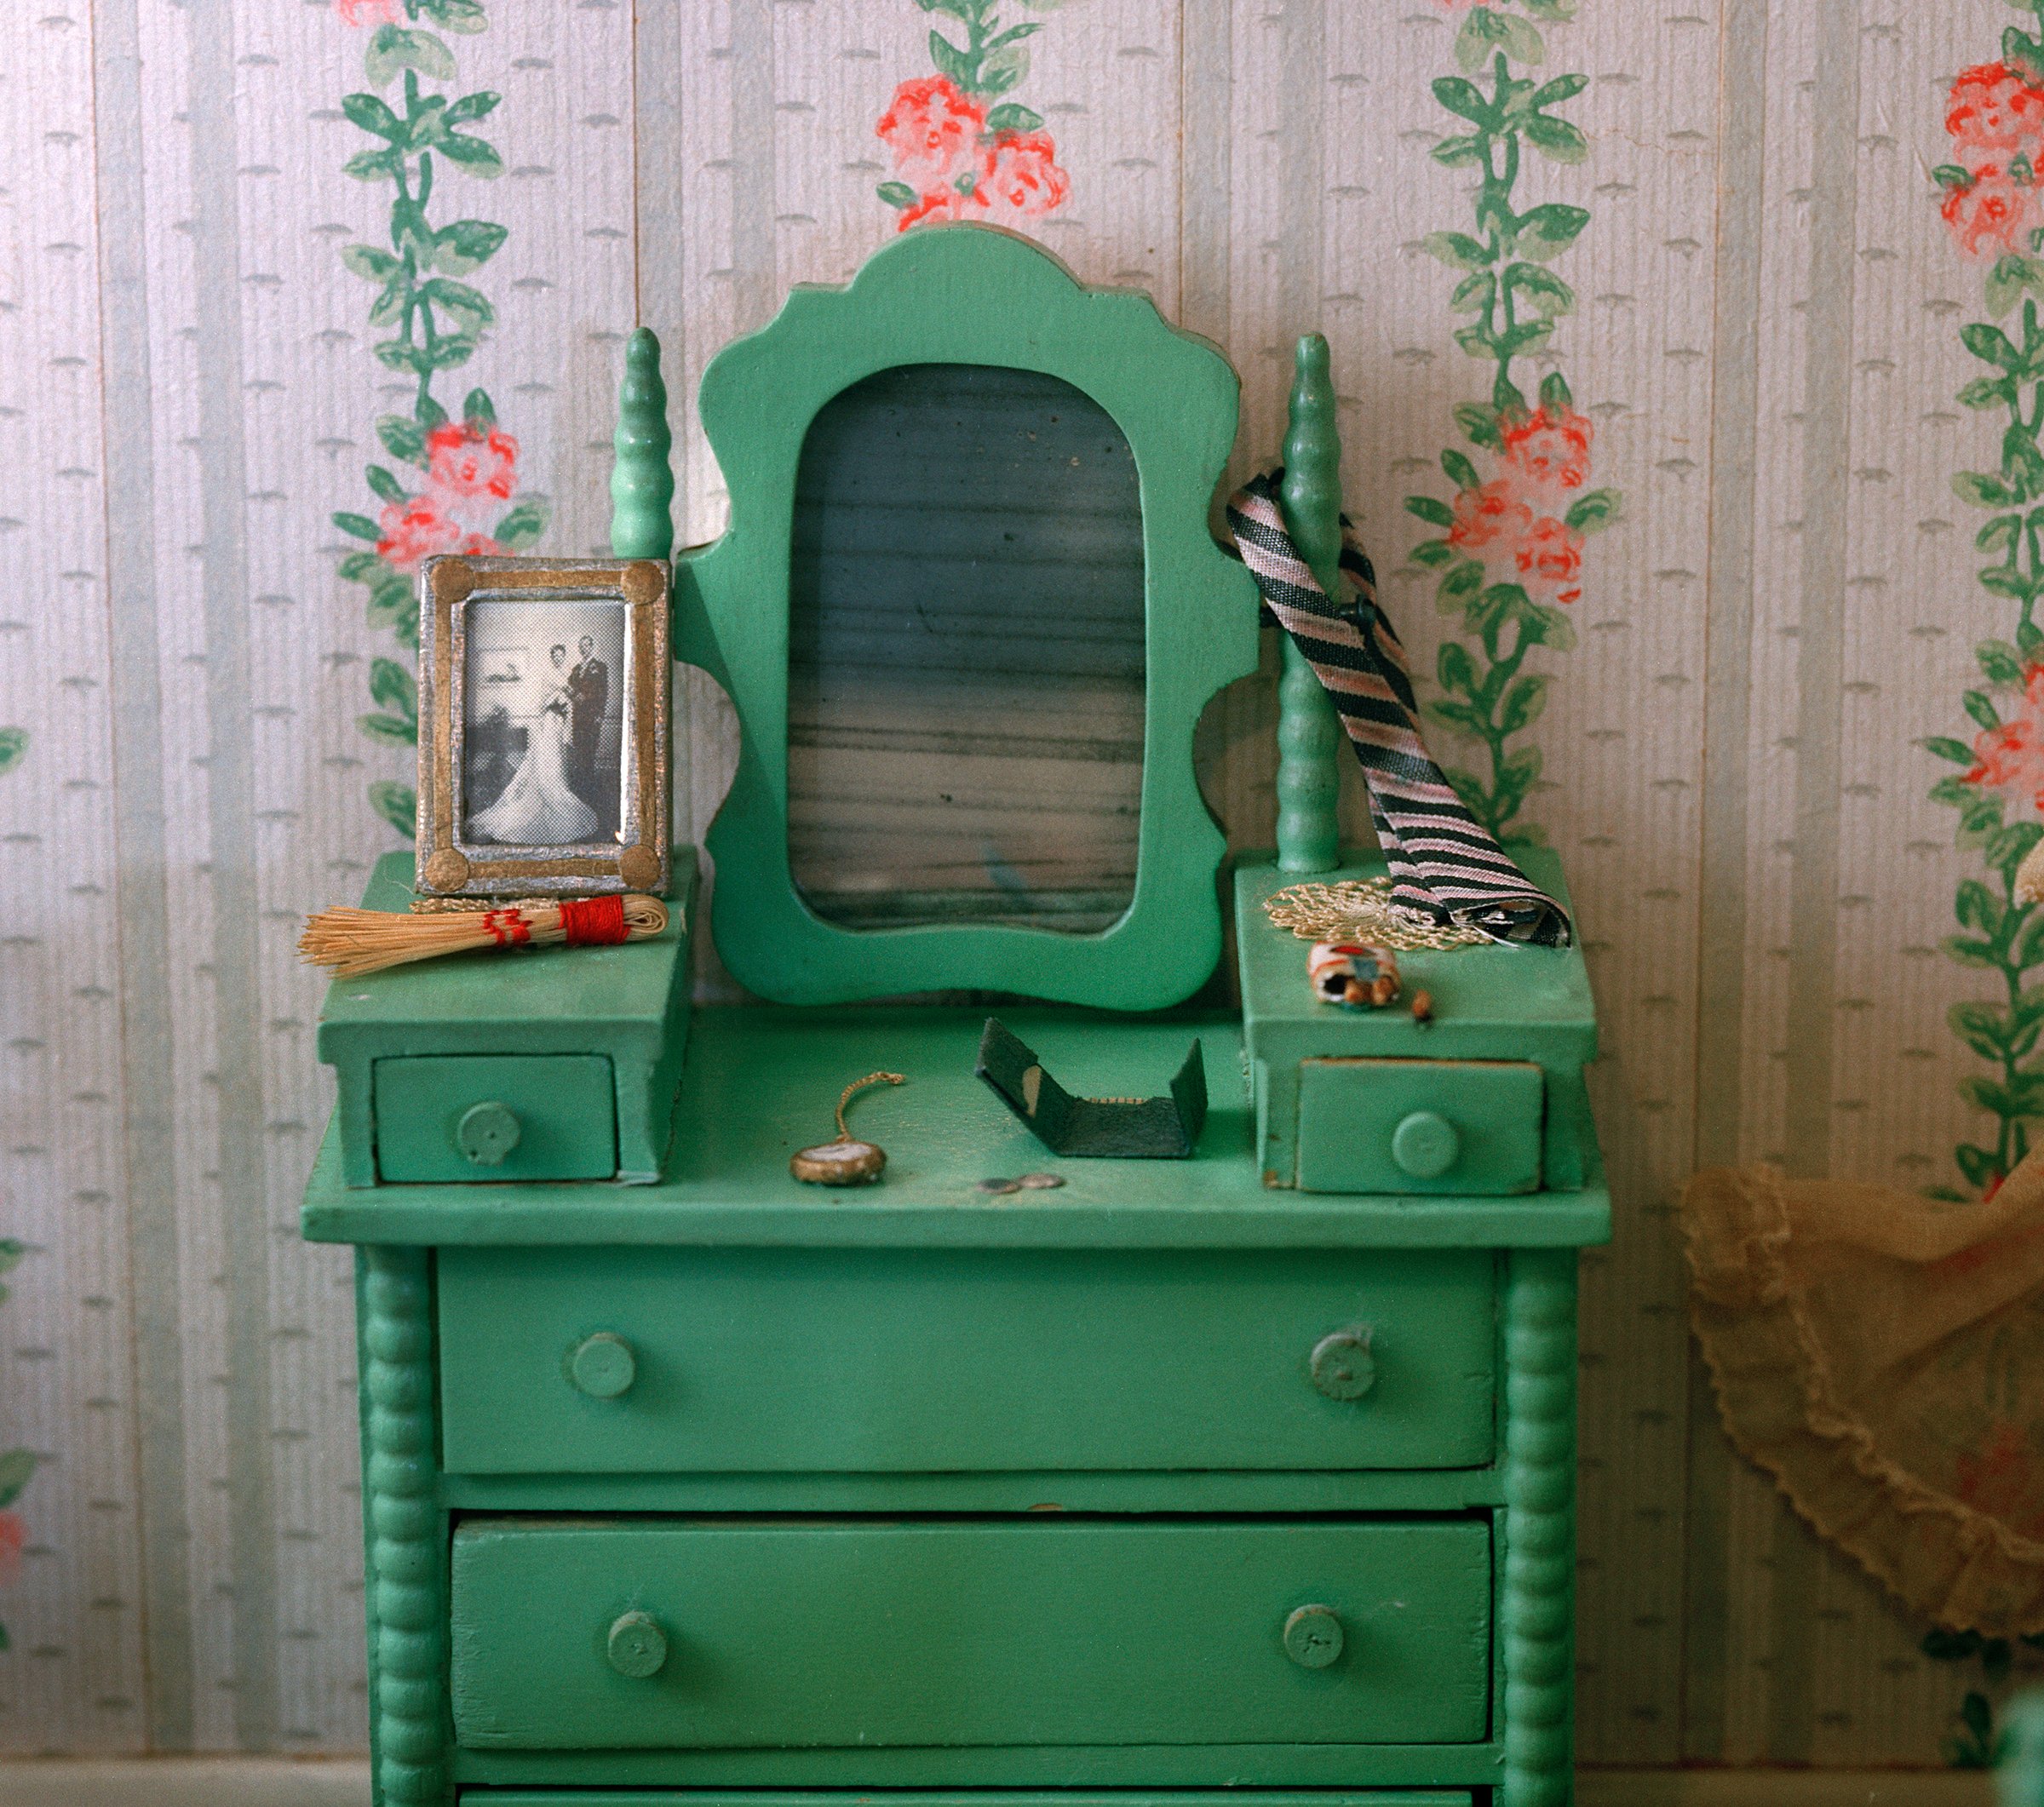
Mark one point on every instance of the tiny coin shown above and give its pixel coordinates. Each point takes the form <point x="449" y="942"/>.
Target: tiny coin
<point x="1039" y="1182"/>
<point x="999" y="1184"/>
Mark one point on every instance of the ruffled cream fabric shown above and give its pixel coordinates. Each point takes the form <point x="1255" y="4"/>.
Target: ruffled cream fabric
<point x="1881" y="1355"/>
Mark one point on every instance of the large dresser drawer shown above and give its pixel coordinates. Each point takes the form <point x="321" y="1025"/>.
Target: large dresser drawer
<point x="612" y="1634"/>
<point x="647" y="1360"/>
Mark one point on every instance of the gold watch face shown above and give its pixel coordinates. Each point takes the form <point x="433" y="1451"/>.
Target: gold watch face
<point x="842" y="1163"/>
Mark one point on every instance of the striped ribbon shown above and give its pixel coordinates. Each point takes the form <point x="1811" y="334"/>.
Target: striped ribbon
<point x="1446" y="867"/>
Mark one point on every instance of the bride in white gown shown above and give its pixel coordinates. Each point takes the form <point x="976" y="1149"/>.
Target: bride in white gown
<point x="537" y="808"/>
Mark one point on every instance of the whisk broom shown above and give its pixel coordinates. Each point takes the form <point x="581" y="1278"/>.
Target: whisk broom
<point x="353" y="941"/>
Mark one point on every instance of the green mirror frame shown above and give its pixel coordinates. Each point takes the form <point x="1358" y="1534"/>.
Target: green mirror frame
<point x="970" y="294"/>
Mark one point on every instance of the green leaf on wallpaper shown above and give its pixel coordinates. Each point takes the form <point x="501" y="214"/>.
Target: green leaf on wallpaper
<point x="1977" y="1164"/>
<point x="393" y="48"/>
<point x="1990" y="344"/>
<point x="1484" y="31"/>
<point x="1433" y="553"/>
<point x="1517" y="774"/>
<point x="360" y="525"/>
<point x="471" y="107"/>
<point x="1467" y="100"/>
<point x="2003" y="580"/>
<point x="474" y="156"/>
<point x="1523" y="338"/>
<point x="389" y="727"/>
<point x="1988" y="392"/>
<point x="366" y="261"/>
<point x="477" y="406"/>
<point x="12" y="1248"/>
<point x="1523" y="704"/>
<point x="1480" y="424"/>
<point x="1464" y="719"/>
<point x="467" y="245"/>
<point x="1978" y="908"/>
<point x="1012" y="34"/>
<point x="951" y="62"/>
<point x="1952" y="176"/>
<point x="2006" y="281"/>
<point x="455" y="15"/>
<point x="1560" y="11"/>
<point x="390" y="685"/>
<point x="451" y="351"/>
<point x="1553" y="92"/>
<point x="1968" y="952"/>
<point x="1549" y="229"/>
<point x="1431" y="508"/>
<point x="966" y="11"/>
<point x="402" y="438"/>
<point x="388" y="307"/>
<point x="1555" y="394"/>
<point x="1004" y="69"/>
<point x="897" y="194"/>
<point x="523" y="524"/>
<point x="1549" y="296"/>
<point x="1457" y="249"/>
<point x="1011" y="116"/>
<point x="2021" y="462"/>
<point x="1982" y="1028"/>
<point x="1461" y="152"/>
<point x="396" y="804"/>
<point x="1556" y="138"/>
<point x="16" y="1466"/>
<point x="373" y="166"/>
<point x="386" y="485"/>
<point x="1999" y="662"/>
<point x="394" y="604"/>
<point x="362" y="567"/>
<point x="14" y="746"/>
<point x="1455" y="669"/>
<point x="2007" y="848"/>
<point x="2000" y="533"/>
<point x="374" y="117"/>
<point x="2028" y="950"/>
<point x="468" y="308"/>
<point x="1955" y="791"/>
<point x="1593" y="511"/>
<point x="1461" y="472"/>
<point x="1980" y="488"/>
<point x="430" y="413"/>
<point x="2019" y="50"/>
<point x="1479" y="341"/>
<point x="1551" y="626"/>
<point x="1946" y="748"/>
<point x="1458" y="584"/>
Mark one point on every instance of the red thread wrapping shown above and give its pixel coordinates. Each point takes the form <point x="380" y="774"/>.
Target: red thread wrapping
<point x="592" y="922"/>
<point x="507" y="927"/>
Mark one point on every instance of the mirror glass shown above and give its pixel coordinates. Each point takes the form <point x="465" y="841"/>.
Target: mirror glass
<point x="965" y="656"/>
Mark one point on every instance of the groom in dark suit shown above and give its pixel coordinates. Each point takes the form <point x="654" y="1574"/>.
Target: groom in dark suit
<point x="588" y="691"/>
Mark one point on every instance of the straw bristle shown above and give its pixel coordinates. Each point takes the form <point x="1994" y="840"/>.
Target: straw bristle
<point x="355" y="942"/>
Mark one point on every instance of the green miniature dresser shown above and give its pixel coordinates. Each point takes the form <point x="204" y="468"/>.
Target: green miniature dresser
<point x="1246" y="1478"/>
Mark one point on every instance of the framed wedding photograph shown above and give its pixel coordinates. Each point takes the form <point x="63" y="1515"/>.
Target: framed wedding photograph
<point x="544" y="690"/>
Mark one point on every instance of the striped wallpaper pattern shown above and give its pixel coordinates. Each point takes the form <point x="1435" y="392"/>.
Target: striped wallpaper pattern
<point x="1764" y="341"/>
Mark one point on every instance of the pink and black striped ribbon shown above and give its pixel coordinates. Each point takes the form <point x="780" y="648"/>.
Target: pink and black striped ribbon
<point x="1446" y="865"/>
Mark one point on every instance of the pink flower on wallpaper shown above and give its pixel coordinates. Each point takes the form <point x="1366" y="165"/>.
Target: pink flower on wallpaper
<point x="1993" y="114"/>
<point x="1550" y="448"/>
<point x="942" y="203"/>
<point x="1488" y="516"/>
<point x="14" y="1534"/>
<point x="416" y="530"/>
<point x="1548" y="559"/>
<point x="1021" y="178"/>
<point x="2010" y="759"/>
<point x="472" y="459"/>
<point x="933" y="129"/>
<point x="372" y="12"/>
<point x="1991" y="213"/>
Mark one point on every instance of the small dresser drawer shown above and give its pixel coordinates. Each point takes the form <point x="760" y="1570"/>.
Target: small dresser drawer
<point x="1472" y="1127"/>
<point x="495" y="1116"/>
<point x="639" y="1361"/>
<point x="596" y="1635"/>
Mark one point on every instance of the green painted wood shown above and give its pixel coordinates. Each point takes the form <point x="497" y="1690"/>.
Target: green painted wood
<point x="1489" y="1003"/>
<point x="891" y="1361"/>
<point x="728" y="1179"/>
<point x="1419" y="1126"/>
<point x="405" y="1531"/>
<point x="1309" y="737"/>
<point x="628" y="1004"/>
<point x="996" y="1766"/>
<point x="967" y="295"/>
<point x="991" y="1633"/>
<point x="479" y="1117"/>
<point x="936" y="1798"/>
<point x="642" y="481"/>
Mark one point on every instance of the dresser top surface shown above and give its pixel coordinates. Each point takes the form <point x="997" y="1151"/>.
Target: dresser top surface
<point x="761" y="1082"/>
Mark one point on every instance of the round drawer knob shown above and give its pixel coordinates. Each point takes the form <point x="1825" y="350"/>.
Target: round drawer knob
<point x="637" y="1647"/>
<point x="603" y="1367"/>
<point x="1312" y="1637"/>
<point x="487" y="1132"/>
<point x="1424" y="1145"/>
<point x="1342" y="1366"/>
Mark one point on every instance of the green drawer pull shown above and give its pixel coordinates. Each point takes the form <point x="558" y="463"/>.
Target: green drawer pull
<point x="1342" y="1365"/>
<point x="1312" y="1637"/>
<point x="487" y="1132"/>
<point x="602" y="1366"/>
<point x="637" y="1647"/>
<point x="1424" y="1145"/>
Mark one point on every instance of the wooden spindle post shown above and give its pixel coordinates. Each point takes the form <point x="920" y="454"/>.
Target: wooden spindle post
<point x="1308" y="736"/>
<point x="642" y="486"/>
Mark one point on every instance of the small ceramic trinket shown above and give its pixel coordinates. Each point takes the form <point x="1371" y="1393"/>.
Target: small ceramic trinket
<point x="1351" y="973"/>
<point x="847" y="1162"/>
